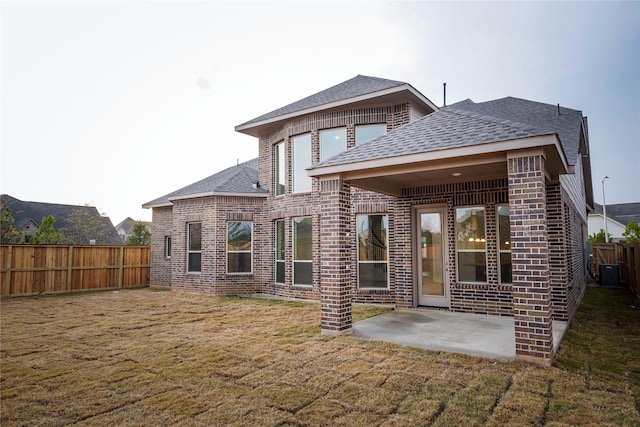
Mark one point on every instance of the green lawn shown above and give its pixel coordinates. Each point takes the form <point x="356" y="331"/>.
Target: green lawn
<point x="141" y="357"/>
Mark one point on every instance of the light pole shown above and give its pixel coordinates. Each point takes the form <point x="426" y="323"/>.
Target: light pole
<point x="604" y="212"/>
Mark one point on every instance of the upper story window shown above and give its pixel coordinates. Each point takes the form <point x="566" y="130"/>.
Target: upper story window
<point x="280" y="168"/>
<point x="194" y="247"/>
<point x="301" y="153"/>
<point x="365" y="133"/>
<point x="504" y="243"/>
<point x="471" y="245"/>
<point x="239" y="246"/>
<point x="332" y="142"/>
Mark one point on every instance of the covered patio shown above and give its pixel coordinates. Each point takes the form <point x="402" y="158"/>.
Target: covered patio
<point x="473" y="334"/>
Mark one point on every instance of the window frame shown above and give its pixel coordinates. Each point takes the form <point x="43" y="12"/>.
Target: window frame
<point x="276" y="251"/>
<point x="328" y="131"/>
<point x="167" y="247"/>
<point x="301" y="183"/>
<point x="371" y="125"/>
<point x="386" y="251"/>
<point x="280" y="170"/>
<point x="245" y="251"/>
<point x="459" y="251"/>
<point x="191" y="251"/>
<point x="294" y="250"/>
<point x="500" y="250"/>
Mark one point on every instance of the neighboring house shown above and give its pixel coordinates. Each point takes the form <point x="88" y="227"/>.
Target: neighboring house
<point x="367" y="192"/>
<point x="125" y="228"/>
<point x="28" y="215"/>
<point x="618" y="216"/>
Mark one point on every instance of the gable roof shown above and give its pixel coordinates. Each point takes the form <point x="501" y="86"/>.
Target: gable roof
<point x="126" y="225"/>
<point x="444" y="129"/>
<point x="24" y="211"/>
<point x="543" y="117"/>
<point x="239" y="180"/>
<point x="623" y="213"/>
<point x="353" y="90"/>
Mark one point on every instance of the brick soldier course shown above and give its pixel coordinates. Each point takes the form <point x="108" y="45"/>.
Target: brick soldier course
<point x="509" y="155"/>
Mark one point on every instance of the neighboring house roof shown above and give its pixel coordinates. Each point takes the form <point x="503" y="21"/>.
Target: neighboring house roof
<point x="126" y="225"/>
<point x="24" y="211"/>
<point x="623" y="213"/>
<point x="239" y="180"/>
<point x="444" y="129"/>
<point x="354" y="90"/>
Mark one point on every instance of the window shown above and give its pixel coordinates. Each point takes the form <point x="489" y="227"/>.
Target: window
<point x="332" y="142"/>
<point x="301" y="146"/>
<point x="302" y="251"/>
<point x="279" y="247"/>
<point x="504" y="244"/>
<point x="279" y="148"/>
<point x="371" y="231"/>
<point x="471" y="245"/>
<point x="239" y="239"/>
<point x="167" y="246"/>
<point x="366" y="133"/>
<point x="194" y="247"/>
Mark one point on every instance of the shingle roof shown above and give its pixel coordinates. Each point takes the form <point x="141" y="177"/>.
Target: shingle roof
<point x="24" y="211"/>
<point x="357" y="86"/>
<point x="446" y="128"/>
<point x="624" y="213"/>
<point x="239" y="179"/>
<point x="543" y="117"/>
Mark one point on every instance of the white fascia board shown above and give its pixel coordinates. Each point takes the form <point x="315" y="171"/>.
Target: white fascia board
<point x="336" y="104"/>
<point x="530" y="142"/>
<point x="212" y="193"/>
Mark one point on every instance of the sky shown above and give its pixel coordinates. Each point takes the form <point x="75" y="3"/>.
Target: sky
<point x="116" y="103"/>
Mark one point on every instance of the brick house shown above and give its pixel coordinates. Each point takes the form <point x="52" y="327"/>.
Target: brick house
<point x="367" y="192"/>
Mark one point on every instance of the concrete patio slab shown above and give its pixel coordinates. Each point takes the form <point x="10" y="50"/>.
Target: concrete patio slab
<point x="474" y="334"/>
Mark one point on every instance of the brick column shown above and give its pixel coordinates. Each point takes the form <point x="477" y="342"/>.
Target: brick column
<point x="335" y="253"/>
<point x="530" y="258"/>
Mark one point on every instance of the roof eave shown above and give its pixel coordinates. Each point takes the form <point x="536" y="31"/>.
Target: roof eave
<point x="251" y="128"/>
<point x="216" y="193"/>
<point x="518" y="144"/>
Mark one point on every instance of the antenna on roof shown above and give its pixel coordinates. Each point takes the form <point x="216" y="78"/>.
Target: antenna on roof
<point x="444" y="96"/>
<point x="558" y="113"/>
<point x="237" y="161"/>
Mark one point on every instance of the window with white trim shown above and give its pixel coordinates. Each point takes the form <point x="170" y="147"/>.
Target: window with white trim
<point x="301" y="154"/>
<point x="332" y="142"/>
<point x="279" y="248"/>
<point x="504" y="244"/>
<point x="302" y="251"/>
<point x="239" y="247"/>
<point x="279" y="168"/>
<point x="373" y="263"/>
<point x="471" y="245"/>
<point x="365" y="133"/>
<point x="194" y="247"/>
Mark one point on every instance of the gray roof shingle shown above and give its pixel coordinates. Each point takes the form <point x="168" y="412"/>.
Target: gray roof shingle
<point x="543" y="117"/>
<point x="624" y="213"/>
<point x="446" y="128"/>
<point x="357" y="86"/>
<point x="239" y="179"/>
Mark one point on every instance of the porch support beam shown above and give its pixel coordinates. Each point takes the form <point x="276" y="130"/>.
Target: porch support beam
<point x="335" y="256"/>
<point x="530" y="258"/>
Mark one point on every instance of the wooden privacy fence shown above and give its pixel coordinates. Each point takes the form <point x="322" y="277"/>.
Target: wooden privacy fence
<point x="626" y="256"/>
<point x="37" y="269"/>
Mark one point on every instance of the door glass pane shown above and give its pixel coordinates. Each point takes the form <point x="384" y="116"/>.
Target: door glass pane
<point x="431" y="254"/>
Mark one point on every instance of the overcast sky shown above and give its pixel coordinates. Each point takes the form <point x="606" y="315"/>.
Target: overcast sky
<point x="117" y="103"/>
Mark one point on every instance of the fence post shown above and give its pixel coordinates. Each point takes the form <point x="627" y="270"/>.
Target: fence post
<point x="7" y="284"/>
<point x="69" y="267"/>
<point x="121" y="267"/>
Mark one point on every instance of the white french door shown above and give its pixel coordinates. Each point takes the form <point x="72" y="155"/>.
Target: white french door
<point x="431" y="257"/>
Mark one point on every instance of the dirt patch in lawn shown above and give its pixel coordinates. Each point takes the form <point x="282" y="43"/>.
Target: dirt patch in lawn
<point x="141" y="357"/>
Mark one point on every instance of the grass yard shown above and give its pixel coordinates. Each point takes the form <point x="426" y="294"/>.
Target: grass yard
<point x="144" y="357"/>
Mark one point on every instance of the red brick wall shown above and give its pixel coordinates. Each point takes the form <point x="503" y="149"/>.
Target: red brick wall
<point x="161" y="226"/>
